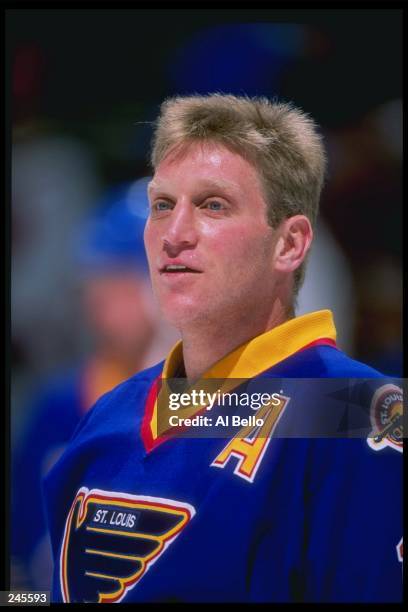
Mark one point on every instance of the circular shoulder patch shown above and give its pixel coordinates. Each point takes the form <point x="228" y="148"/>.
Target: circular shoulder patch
<point x="386" y="418"/>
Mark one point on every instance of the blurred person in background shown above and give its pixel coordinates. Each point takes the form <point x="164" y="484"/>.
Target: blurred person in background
<point x="54" y="180"/>
<point x="127" y="337"/>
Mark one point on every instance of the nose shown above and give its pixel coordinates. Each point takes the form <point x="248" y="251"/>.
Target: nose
<point x="180" y="232"/>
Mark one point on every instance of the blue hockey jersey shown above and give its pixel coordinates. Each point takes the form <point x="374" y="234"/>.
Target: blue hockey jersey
<point x="139" y="517"/>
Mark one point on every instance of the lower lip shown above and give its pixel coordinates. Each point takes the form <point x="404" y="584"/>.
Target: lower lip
<point x="178" y="275"/>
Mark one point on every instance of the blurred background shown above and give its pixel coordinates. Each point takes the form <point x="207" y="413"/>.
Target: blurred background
<point x="84" y="88"/>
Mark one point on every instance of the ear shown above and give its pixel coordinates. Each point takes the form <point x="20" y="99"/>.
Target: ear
<point x="295" y="238"/>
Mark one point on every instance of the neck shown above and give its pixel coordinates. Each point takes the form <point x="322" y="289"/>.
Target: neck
<point x="206" y="344"/>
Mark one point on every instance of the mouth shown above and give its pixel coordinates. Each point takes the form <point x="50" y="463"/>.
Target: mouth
<point x="178" y="269"/>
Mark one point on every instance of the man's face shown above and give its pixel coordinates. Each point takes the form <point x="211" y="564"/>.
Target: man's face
<point x="209" y="246"/>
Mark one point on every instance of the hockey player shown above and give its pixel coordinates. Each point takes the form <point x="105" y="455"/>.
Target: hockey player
<point x="138" y="513"/>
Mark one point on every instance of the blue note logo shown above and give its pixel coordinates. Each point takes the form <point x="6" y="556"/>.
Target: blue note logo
<point x="112" y="539"/>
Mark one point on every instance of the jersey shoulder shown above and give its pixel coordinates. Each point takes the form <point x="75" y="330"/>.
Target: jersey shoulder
<point x="324" y="361"/>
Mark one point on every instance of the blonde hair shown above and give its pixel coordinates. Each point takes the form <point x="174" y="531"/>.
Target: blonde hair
<point x="279" y="139"/>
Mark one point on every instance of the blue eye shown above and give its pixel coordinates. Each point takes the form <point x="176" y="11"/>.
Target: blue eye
<point x="214" y="205"/>
<point x="159" y="206"/>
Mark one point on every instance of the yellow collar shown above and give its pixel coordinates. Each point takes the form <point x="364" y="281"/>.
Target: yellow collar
<point x="258" y="354"/>
<point x="264" y="351"/>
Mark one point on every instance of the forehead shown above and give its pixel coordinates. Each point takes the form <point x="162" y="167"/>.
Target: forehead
<point x="206" y="164"/>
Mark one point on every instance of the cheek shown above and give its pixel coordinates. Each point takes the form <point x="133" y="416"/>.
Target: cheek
<point x="239" y="250"/>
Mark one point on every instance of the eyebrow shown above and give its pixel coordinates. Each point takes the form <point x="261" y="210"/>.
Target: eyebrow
<point x="207" y="186"/>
